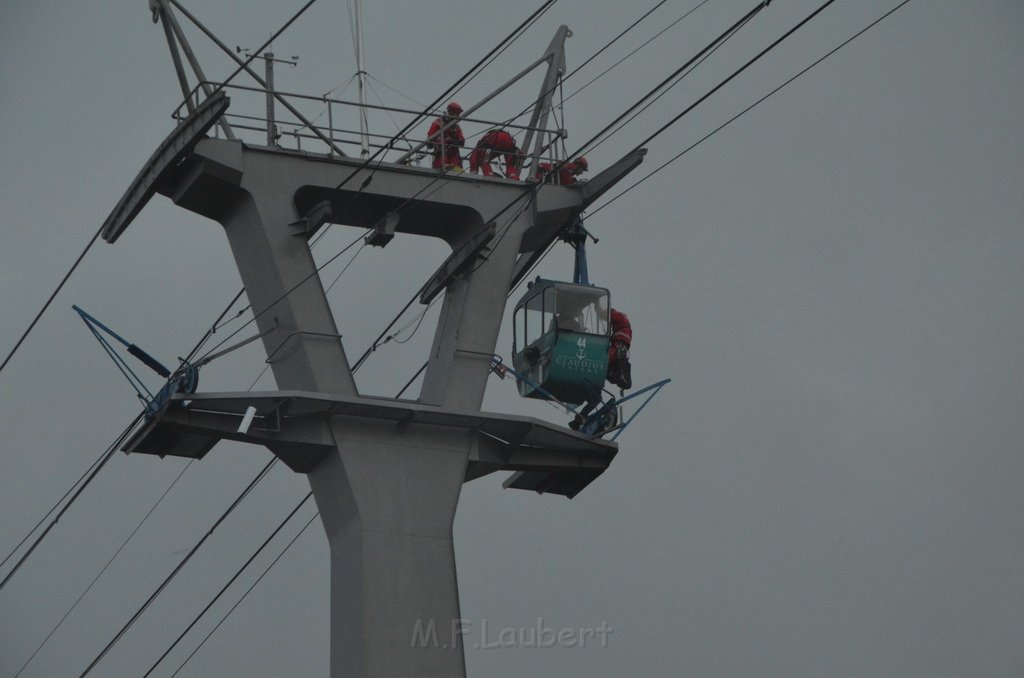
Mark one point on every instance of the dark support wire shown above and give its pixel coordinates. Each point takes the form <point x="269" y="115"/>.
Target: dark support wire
<point x="602" y="50"/>
<point x="630" y="54"/>
<point x="231" y="581"/>
<point x="49" y="301"/>
<point x="54" y="507"/>
<point x="634" y="115"/>
<point x="104" y="569"/>
<point x="735" y="73"/>
<point x="748" y="108"/>
<point x="710" y="46"/>
<point x="178" y="568"/>
<point x="96" y="469"/>
<point x="247" y="592"/>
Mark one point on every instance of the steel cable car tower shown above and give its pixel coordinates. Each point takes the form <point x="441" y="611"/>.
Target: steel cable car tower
<point x="386" y="473"/>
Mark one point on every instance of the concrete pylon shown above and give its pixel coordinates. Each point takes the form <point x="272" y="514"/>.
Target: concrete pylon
<point x="386" y="474"/>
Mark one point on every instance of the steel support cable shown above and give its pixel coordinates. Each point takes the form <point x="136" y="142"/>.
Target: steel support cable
<point x="103" y="460"/>
<point x="495" y="54"/>
<point x="623" y="33"/>
<point x="630" y="54"/>
<point x="707" y="48"/>
<point x="637" y="113"/>
<point x="178" y="568"/>
<point x="49" y="301"/>
<point x="285" y="295"/>
<point x="99" y="574"/>
<point x="216" y="325"/>
<point x="529" y="194"/>
<point x="97" y="467"/>
<point x="248" y="591"/>
<point x="231" y="581"/>
<point x="396" y="91"/>
<point x="54" y="507"/>
<point x="737" y="72"/>
<point x="369" y="86"/>
<point x="509" y="294"/>
<point x="605" y="47"/>
<point x="92" y="470"/>
<point x="92" y="240"/>
<point x="749" y="108"/>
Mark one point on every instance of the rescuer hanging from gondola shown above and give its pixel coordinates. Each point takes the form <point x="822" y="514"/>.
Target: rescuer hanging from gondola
<point x="619" y="369"/>
<point x="447" y="144"/>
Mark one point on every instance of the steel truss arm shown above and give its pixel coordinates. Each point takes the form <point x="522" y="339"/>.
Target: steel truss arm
<point x="161" y="10"/>
<point x="555" y="57"/>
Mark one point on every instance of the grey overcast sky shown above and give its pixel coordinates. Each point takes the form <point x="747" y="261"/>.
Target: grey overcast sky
<point x="829" y="487"/>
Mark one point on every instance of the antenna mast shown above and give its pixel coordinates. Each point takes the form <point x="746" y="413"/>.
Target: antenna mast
<point x="364" y="128"/>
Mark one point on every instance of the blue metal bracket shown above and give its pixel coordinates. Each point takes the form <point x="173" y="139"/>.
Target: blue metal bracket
<point x="185" y="379"/>
<point x="610" y="408"/>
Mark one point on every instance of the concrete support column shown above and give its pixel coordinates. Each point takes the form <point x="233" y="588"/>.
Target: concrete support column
<point x="388" y="502"/>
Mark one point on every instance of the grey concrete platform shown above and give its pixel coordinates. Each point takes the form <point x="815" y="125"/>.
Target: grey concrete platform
<point x="296" y="426"/>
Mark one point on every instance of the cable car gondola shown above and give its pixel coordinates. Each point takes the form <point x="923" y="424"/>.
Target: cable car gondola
<point x="562" y="333"/>
<point x="561" y="339"/>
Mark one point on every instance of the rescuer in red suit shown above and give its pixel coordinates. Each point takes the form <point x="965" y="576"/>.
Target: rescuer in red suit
<point x="619" y="369"/>
<point x="567" y="173"/>
<point x="491" y="145"/>
<point x="447" y="145"/>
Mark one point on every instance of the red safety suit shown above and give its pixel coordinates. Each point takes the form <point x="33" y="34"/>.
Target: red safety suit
<point x="492" y="144"/>
<point x="448" y="148"/>
<point x="566" y="173"/>
<point x="619" y="369"/>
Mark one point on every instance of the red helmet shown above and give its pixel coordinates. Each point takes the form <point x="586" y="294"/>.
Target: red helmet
<point x="454" y="108"/>
<point x="582" y="163"/>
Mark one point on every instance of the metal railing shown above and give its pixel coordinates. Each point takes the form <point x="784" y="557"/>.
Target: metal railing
<point x="301" y="129"/>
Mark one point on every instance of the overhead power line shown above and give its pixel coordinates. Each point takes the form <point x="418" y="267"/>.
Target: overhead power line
<point x="105" y="567"/>
<point x="672" y="76"/>
<point x="750" y="107"/>
<point x="735" y="73"/>
<point x="105" y="457"/>
<point x="247" y="592"/>
<point x="49" y="301"/>
<point x="98" y="231"/>
<point x="231" y="581"/>
<point x="630" y="54"/>
<point x="181" y="564"/>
